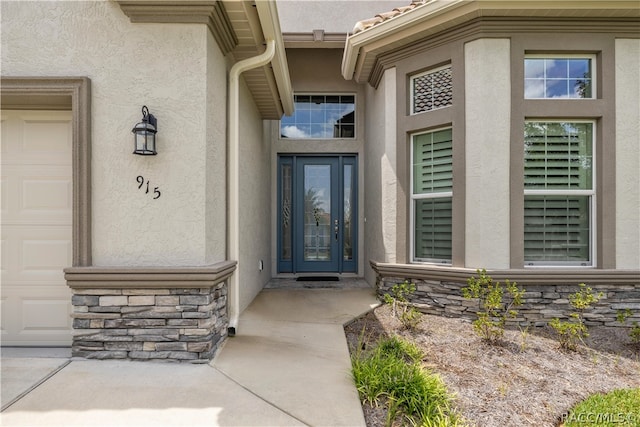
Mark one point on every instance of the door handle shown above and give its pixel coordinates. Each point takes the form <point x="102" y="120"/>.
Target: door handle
<point x="336" y="227"/>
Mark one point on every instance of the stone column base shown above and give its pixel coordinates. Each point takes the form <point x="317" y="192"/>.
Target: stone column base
<point x="177" y="314"/>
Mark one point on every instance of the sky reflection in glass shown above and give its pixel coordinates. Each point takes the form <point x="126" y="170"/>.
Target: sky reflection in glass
<point x="546" y="78"/>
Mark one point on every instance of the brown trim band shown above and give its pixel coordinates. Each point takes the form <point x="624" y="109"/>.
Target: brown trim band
<point x="501" y="27"/>
<point x="31" y="91"/>
<point x="148" y="277"/>
<point x="213" y="14"/>
<point x="522" y="276"/>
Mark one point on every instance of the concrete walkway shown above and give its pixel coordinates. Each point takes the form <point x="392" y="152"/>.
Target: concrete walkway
<point x="288" y="366"/>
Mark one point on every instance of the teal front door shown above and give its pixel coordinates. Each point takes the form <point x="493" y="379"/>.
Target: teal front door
<point x="317" y="217"/>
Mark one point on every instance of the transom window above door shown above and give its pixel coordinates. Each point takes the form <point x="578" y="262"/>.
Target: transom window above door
<point x="559" y="77"/>
<point x="320" y="117"/>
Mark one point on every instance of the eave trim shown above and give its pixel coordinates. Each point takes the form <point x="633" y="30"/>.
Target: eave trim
<point x="437" y="16"/>
<point x="269" y="20"/>
<point x="210" y="13"/>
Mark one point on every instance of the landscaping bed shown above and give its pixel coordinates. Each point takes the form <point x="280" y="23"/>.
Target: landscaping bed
<point x="525" y="381"/>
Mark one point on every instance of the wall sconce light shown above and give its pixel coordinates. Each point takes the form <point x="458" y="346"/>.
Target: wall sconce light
<point x="145" y="134"/>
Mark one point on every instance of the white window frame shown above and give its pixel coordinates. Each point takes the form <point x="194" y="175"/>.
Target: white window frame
<point x="325" y="94"/>
<point x="415" y="197"/>
<point x="594" y="80"/>
<point x="592" y="202"/>
<point x="424" y="73"/>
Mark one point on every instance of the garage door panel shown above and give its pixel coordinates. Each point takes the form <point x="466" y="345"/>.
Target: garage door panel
<point x="51" y="194"/>
<point x="9" y="312"/>
<point x="36" y="227"/>
<point x="44" y="252"/>
<point x="46" y="314"/>
<point x="45" y="255"/>
<point x="36" y="314"/>
<point x="4" y="254"/>
<point x="48" y="136"/>
<point x="36" y="137"/>
<point x="4" y="187"/>
<point x="36" y="253"/>
<point x="36" y="195"/>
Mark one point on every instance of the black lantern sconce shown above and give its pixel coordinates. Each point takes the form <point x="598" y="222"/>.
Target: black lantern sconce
<point x="145" y="134"/>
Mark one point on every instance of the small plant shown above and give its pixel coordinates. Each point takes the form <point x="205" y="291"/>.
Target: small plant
<point x="634" y="332"/>
<point x="402" y="310"/>
<point x="571" y="332"/>
<point x="391" y="375"/>
<point x="494" y="312"/>
<point x="524" y="337"/>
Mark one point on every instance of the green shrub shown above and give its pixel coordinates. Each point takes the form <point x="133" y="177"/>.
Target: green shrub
<point x="494" y="312"/>
<point x="398" y="298"/>
<point x="634" y="331"/>
<point x="573" y="331"/>
<point x="392" y="374"/>
<point x="617" y="408"/>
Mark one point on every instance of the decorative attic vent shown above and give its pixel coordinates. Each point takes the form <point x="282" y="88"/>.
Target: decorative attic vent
<point x="431" y="90"/>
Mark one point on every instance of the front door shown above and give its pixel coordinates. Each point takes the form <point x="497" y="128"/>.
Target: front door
<point x="317" y="215"/>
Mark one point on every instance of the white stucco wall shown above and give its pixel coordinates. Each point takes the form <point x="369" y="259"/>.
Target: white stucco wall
<point x="255" y="201"/>
<point x="163" y="66"/>
<point x="381" y="180"/>
<point x="487" y="120"/>
<point x="627" y="153"/>
<point x="216" y="171"/>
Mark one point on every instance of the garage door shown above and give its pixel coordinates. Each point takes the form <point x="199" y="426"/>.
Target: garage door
<point x="36" y="227"/>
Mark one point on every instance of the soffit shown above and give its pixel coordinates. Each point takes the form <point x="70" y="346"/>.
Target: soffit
<point x="251" y="42"/>
<point x="316" y="39"/>
<point x="391" y="31"/>
<point x="237" y="30"/>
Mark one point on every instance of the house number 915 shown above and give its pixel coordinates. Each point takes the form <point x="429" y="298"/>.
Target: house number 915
<point x="142" y="183"/>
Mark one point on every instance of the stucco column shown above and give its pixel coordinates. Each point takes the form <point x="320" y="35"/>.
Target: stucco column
<point x="487" y="120"/>
<point x="380" y="174"/>
<point x="627" y="154"/>
<point x="388" y="169"/>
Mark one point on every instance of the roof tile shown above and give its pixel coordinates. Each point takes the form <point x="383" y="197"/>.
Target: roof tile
<point x="385" y="16"/>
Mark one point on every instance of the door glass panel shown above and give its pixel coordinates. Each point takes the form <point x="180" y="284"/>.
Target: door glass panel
<point x="347" y="214"/>
<point x="286" y="212"/>
<point x="317" y="212"/>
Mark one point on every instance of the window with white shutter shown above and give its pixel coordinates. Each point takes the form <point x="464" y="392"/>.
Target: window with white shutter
<point x="431" y="193"/>
<point x="559" y="193"/>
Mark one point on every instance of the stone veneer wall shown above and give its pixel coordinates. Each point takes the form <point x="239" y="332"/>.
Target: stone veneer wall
<point x="179" y="324"/>
<point x="150" y="314"/>
<point x="542" y="301"/>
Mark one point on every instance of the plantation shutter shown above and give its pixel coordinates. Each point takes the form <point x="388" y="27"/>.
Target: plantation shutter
<point x="432" y="186"/>
<point x="432" y="172"/>
<point x="558" y="181"/>
<point x="558" y="156"/>
<point x="433" y="228"/>
<point x="556" y="228"/>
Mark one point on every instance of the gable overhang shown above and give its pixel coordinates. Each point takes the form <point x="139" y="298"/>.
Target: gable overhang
<point x="362" y="49"/>
<point x="240" y="28"/>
